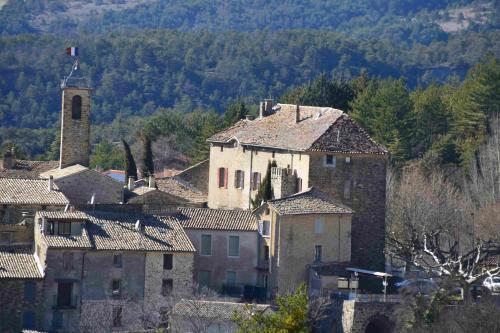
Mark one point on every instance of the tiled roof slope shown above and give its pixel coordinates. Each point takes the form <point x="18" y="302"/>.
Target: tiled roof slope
<point x="29" y="192"/>
<point x="181" y="189"/>
<point x="317" y="130"/>
<point x="216" y="309"/>
<point x="311" y="201"/>
<point x="64" y="172"/>
<point x="116" y="231"/>
<point x="217" y="219"/>
<point x="18" y="262"/>
<point x="28" y="169"/>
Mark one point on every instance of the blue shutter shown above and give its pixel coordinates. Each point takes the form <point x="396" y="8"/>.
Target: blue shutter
<point x="29" y="320"/>
<point x="29" y="291"/>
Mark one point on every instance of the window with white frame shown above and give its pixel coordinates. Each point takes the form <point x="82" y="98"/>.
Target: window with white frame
<point x="330" y="161"/>
<point x="265" y="228"/>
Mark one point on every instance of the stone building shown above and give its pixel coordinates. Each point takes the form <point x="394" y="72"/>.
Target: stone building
<point x="11" y="167"/>
<point x="297" y="231"/>
<point x="226" y="247"/>
<point x="318" y="147"/>
<point x="107" y="271"/>
<point x="82" y="185"/>
<point x="21" y="289"/>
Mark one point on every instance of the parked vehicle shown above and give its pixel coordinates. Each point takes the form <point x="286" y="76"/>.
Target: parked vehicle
<point x="492" y="283"/>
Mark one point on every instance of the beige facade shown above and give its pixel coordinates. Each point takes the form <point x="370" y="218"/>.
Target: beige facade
<point x="249" y="160"/>
<point x="75" y="127"/>
<point x="292" y="245"/>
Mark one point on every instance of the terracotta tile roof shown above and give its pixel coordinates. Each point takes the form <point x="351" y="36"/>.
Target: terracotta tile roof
<point x="18" y="262"/>
<point x="311" y="201"/>
<point x="215" y="309"/>
<point x="180" y="188"/>
<point x="116" y="231"/>
<point x="29" y="192"/>
<point x="28" y="169"/>
<point x="317" y="130"/>
<point x="217" y="219"/>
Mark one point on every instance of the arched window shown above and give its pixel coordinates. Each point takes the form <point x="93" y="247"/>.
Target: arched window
<point x="76" y="107"/>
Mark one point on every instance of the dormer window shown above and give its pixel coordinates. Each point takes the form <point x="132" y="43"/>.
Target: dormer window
<point x="64" y="228"/>
<point x="330" y="161"/>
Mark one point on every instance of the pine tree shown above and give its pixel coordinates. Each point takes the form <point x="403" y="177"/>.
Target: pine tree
<point x="130" y="166"/>
<point x="234" y="113"/>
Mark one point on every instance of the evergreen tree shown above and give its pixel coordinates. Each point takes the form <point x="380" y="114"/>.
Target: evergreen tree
<point x="107" y="156"/>
<point x="234" y="113"/>
<point x="265" y="192"/>
<point x="147" y="165"/>
<point x="130" y="166"/>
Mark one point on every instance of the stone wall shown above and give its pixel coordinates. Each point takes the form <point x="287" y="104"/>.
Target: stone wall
<point x="79" y="187"/>
<point x="354" y="317"/>
<point x="196" y="175"/>
<point x="283" y="182"/>
<point x="75" y="133"/>
<point x="219" y="262"/>
<point x="14" y="306"/>
<point x="359" y="184"/>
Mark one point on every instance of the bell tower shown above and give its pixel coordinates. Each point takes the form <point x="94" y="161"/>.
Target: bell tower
<point x="75" y="119"/>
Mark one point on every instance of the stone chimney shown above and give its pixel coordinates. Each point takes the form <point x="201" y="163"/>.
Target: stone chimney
<point x="51" y="183"/>
<point x="130" y="184"/>
<point x="265" y="108"/>
<point x="9" y="159"/>
<point x="297" y="114"/>
<point x="282" y="182"/>
<point x="151" y="182"/>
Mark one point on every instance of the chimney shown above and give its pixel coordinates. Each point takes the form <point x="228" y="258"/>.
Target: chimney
<point x="138" y="226"/>
<point x="268" y="103"/>
<point x="151" y="182"/>
<point x="130" y="184"/>
<point x="51" y="183"/>
<point x="262" y="110"/>
<point x="9" y="159"/>
<point x="297" y="114"/>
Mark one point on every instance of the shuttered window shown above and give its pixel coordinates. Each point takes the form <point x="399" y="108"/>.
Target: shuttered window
<point x="239" y="179"/>
<point x="255" y="181"/>
<point x="206" y="245"/>
<point x="234" y="246"/>
<point x="222" y="177"/>
<point x="29" y="291"/>
<point x="167" y="261"/>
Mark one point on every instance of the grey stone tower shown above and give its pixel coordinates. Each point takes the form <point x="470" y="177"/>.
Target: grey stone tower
<point x="75" y="120"/>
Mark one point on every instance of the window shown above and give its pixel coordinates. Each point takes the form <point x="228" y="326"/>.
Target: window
<point x="299" y="185"/>
<point x="29" y="291"/>
<point x="234" y="246"/>
<point x="117" y="260"/>
<point x="166" y="287"/>
<point x="206" y="245"/>
<point x="222" y="177"/>
<point x="231" y="277"/>
<point x="239" y="179"/>
<point x="64" y="293"/>
<point x="317" y="253"/>
<point x="330" y="161"/>
<point x="5" y="238"/>
<point x="266" y="252"/>
<point x="319" y="225"/>
<point x="274" y="153"/>
<point x="117" y="316"/>
<point x="221" y="148"/>
<point x="167" y="261"/>
<point x="64" y="228"/>
<point x="29" y="320"/>
<point x="204" y="278"/>
<point x="76" y="107"/>
<point x="67" y="261"/>
<point x="116" y="287"/>
<point x="265" y="228"/>
<point x="164" y="317"/>
<point x="347" y="160"/>
<point x="255" y="181"/>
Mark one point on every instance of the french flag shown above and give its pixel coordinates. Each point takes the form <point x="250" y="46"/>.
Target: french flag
<point x="72" y="51"/>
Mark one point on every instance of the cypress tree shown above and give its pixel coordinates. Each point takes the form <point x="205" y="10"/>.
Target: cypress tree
<point x="130" y="166"/>
<point x="265" y="191"/>
<point x="147" y="167"/>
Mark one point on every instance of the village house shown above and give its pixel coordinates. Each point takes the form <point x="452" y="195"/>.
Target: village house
<point x="318" y="147"/>
<point x="106" y="271"/>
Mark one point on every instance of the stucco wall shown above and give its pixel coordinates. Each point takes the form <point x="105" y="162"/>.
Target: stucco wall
<point x="364" y="180"/>
<point x="249" y="160"/>
<point x="293" y="246"/>
<point x="197" y="175"/>
<point x="219" y="262"/>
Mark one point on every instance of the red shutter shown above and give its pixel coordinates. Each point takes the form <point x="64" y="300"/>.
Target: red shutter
<point x="218" y="177"/>
<point x="252" y="187"/>
<point x="226" y="172"/>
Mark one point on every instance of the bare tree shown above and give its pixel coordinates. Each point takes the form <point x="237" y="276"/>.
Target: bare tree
<point x="430" y="227"/>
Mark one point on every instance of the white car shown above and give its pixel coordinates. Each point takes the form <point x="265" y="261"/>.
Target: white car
<point x="492" y="283"/>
